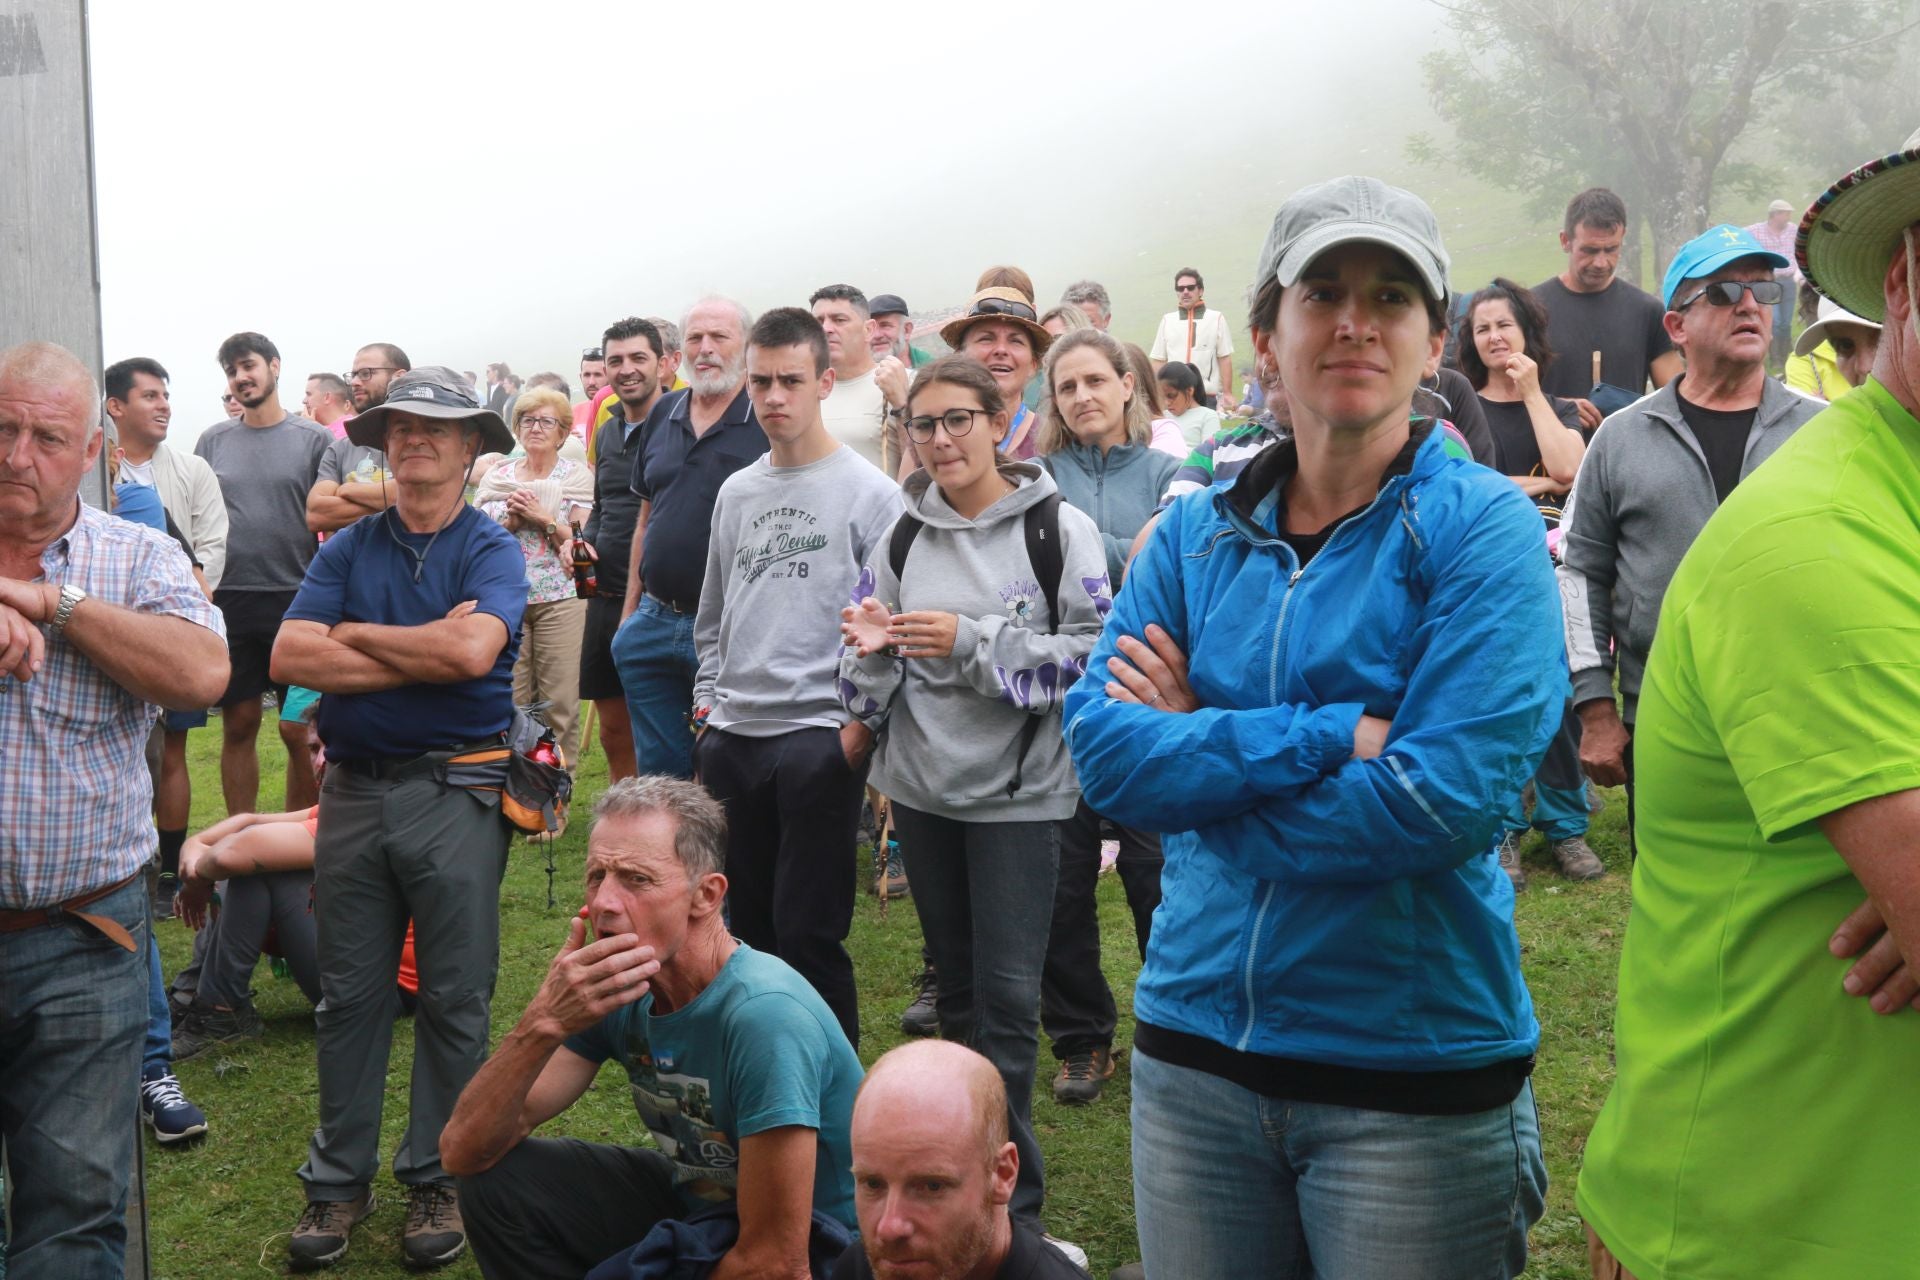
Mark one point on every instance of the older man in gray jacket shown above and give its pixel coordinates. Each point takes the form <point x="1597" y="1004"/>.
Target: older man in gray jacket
<point x="1658" y="470"/>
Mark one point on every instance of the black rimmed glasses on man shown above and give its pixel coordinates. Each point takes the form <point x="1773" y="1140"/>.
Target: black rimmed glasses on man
<point x="366" y="372"/>
<point x="956" y="421"/>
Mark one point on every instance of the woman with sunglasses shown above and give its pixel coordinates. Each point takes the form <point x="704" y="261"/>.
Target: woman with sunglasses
<point x="957" y="661"/>
<point x="1001" y="330"/>
<point x="538" y="497"/>
<point x="1322" y="683"/>
<point x="1094" y="442"/>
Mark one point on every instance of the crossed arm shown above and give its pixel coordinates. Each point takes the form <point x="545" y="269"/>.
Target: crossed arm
<point x="157" y="657"/>
<point x="364" y="657"/>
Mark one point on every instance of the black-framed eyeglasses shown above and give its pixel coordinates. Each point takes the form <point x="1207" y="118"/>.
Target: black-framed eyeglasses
<point x="366" y="374"/>
<point x="956" y="421"/>
<point x="593" y="353"/>
<point x="1002" y="307"/>
<point x="1726" y="293"/>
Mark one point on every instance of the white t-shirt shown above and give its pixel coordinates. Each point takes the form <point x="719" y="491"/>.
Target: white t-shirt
<point x="856" y="415"/>
<point x="136" y="472"/>
<point x="1201" y="343"/>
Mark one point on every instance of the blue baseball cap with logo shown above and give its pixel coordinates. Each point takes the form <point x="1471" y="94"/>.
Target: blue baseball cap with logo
<point x="1711" y="250"/>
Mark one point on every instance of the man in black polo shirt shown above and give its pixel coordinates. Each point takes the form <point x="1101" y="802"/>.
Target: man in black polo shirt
<point x="639" y="366"/>
<point x="692" y="441"/>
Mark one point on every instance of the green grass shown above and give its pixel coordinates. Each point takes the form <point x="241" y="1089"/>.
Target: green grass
<point x="224" y="1206"/>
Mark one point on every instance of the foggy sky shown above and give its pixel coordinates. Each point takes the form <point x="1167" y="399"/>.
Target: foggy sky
<point x="490" y="181"/>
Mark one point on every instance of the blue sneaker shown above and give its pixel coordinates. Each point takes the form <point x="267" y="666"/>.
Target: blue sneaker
<point x="163" y="1106"/>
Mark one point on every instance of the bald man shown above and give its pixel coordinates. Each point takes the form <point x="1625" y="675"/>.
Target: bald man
<point x="100" y="622"/>
<point x="933" y="1172"/>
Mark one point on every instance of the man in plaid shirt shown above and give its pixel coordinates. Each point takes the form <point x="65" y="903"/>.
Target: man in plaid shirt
<point x="101" y="625"/>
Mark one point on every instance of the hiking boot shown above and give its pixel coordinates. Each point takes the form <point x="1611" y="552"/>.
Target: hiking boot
<point x="1510" y="859"/>
<point x="166" y="887"/>
<point x="891" y="883"/>
<point x="320" y="1237"/>
<point x="921" y="1018"/>
<point x="1081" y="1075"/>
<point x="164" y="1107"/>
<point x="1577" y="860"/>
<point x="434" y="1234"/>
<point x="204" y="1028"/>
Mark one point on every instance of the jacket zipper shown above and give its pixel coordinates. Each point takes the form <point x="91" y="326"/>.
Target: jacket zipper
<point x="1273" y="699"/>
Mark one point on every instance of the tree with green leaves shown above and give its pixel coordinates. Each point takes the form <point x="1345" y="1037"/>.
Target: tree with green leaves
<point x="1654" y="98"/>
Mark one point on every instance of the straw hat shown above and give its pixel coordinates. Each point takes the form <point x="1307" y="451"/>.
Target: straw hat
<point x="1850" y="234"/>
<point x="998" y="303"/>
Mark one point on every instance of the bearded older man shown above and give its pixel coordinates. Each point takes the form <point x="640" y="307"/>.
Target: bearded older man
<point x="126" y="632"/>
<point x="692" y="441"/>
<point x="1760" y="1120"/>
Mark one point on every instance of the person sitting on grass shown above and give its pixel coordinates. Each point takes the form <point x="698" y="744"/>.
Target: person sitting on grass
<point x="737" y="1067"/>
<point x="933" y="1173"/>
<point x="266" y="863"/>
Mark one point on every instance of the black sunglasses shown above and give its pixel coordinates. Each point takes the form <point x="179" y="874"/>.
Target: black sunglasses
<point x="1001" y="307"/>
<point x="1726" y="293"/>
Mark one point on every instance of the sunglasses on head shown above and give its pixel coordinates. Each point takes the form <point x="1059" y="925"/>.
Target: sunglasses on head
<point x="1726" y="293"/>
<point x="592" y="353"/>
<point x="1001" y="307"/>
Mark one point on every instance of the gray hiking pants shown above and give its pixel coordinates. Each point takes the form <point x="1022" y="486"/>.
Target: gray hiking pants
<point x="389" y="847"/>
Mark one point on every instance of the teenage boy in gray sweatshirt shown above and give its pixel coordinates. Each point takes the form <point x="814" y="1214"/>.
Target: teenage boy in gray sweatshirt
<point x="791" y="533"/>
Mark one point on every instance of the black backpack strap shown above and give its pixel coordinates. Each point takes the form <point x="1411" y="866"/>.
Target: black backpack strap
<point x="1049" y="564"/>
<point x="905" y="530"/>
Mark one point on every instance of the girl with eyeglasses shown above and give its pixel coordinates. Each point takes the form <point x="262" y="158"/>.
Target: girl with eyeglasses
<point x="538" y="497"/>
<point x="958" y="662"/>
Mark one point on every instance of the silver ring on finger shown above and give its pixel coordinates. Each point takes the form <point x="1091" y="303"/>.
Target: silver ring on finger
<point x="1154" y="700"/>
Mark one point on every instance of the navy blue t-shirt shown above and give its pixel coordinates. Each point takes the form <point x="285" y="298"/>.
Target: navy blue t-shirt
<point x="679" y="477"/>
<point x="363" y="574"/>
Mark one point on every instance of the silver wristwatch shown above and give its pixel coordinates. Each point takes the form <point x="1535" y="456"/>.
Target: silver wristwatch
<point x="70" y="598"/>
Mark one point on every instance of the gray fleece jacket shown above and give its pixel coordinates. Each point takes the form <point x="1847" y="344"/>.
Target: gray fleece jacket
<point x="1120" y="488"/>
<point x="1642" y="496"/>
<point x="950" y="727"/>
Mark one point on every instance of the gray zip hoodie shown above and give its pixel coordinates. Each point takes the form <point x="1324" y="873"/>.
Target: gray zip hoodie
<point x="950" y="727"/>
<point x="1642" y="496"/>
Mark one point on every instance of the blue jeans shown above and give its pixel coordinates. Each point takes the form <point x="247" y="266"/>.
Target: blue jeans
<point x="1557" y="813"/>
<point x="653" y="652"/>
<point x="1229" y="1183"/>
<point x="73" y="1008"/>
<point x="157" y="1057"/>
<point x="984" y="892"/>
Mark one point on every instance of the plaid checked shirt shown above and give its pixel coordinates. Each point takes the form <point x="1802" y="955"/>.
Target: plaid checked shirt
<point x="76" y="802"/>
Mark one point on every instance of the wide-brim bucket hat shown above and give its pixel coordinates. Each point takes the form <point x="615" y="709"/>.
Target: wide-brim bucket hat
<point x="433" y="391"/>
<point x="1830" y="314"/>
<point x="1850" y="233"/>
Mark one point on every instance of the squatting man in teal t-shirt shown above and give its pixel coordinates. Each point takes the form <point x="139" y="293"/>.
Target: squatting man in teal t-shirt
<point x="737" y="1067"/>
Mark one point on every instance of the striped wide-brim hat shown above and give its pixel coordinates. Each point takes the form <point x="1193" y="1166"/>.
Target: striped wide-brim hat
<point x="1853" y="230"/>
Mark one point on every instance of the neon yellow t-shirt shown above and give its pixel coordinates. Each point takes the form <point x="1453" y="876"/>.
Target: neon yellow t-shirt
<point x="1762" y="1122"/>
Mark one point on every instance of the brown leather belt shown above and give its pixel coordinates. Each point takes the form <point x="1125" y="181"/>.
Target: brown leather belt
<point x="12" y="921"/>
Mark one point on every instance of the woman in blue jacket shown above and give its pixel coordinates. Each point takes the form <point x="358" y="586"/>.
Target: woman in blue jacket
<point x="1095" y="442"/>
<point x="1322" y="684"/>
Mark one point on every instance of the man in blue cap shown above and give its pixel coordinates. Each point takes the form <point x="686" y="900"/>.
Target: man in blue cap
<point x="1658" y="469"/>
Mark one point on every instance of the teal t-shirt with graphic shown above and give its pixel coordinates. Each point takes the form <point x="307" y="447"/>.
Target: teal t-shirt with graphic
<point x="757" y="1050"/>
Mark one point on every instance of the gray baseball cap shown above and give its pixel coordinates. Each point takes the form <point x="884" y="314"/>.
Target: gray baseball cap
<point x="432" y="391"/>
<point x="1353" y="210"/>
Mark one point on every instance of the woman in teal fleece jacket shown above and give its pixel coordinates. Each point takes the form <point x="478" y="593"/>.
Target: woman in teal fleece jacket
<point x="1322" y="684"/>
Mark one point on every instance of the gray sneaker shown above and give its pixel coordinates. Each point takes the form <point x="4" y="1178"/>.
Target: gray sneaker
<point x="320" y="1237"/>
<point x="1577" y="860"/>
<point x="203" y="1028"/>
<point x="1510" y="859"/>
<point x="435" y="1234"/>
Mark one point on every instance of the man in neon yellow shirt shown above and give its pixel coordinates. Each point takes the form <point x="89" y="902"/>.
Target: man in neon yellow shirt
<point x="1762" y="1122"/>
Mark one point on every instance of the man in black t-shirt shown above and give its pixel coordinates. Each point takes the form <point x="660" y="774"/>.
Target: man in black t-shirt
<point x="1658" y="471"/>
<point x="1592" y="312"/>
<point x="933" y="1173"/>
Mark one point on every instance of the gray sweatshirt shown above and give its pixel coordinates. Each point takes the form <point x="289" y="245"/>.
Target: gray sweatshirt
<point x="787" y="545"/>
<point x="950" y="727"/>
<point x="1642" y="496"/>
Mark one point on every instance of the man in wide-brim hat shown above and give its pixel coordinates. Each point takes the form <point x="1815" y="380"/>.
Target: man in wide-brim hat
<point x="1758" y="1122"/>
<point x="409" y="623"/>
